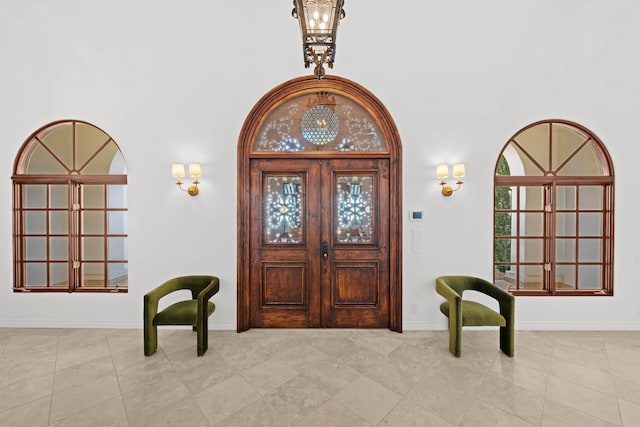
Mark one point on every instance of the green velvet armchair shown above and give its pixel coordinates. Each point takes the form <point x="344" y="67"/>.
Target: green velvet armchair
<point x="469" y="313"/>
<point x="194" y="312"/>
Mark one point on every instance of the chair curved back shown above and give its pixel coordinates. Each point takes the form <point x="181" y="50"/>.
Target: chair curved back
<point x="468" y="313"/>
<point x="194" y="312"/>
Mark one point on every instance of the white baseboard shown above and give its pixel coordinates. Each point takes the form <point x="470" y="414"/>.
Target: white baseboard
<point x="92" y="324"/>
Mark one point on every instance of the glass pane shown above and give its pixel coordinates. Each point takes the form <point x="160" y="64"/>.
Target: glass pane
<point x="590" y="223"/>
<point x="90" y="140"/>
<point x="283" y="210"/>
<point x="93" y="196"/>
<point x="531" y="250"/>
<point x="532" y="198"/>
<point x="565" y="277"/>
<point x="565" y="250"/>
<point x="117" y="196"/>
<point x="42" y="161"/>
<point x="586" y="162"/>
<point x="565" y="224"/>
<point x="319" y="121"/>
<point x="565" y="197"/>
<point x="505" y="224"/>
<point x="59" y="196"/>
<point x="101" y="163"/>
<point x="117" y="248"/>
<point x="93" y="222"/>
<point x="35" y="196"/>
<point x="36" y="274"/>
<point x="35" y="222"/>
<point x="531" y="277"/>
<point x="590" y="197"/>
<point x="505" y="250"/>
<point x="589" y="250"/>
<point x="354" y="209"/>
<point x="532" y="224"/>
<point x="118" y="274"/>
<point x="59" y="222"/>
<point x="59" y="274"/>
<point x="117" y="222"/>
<point x="590" y="277"/>
<point x="92" y="274"/>
<point x="525" y="165"/>
<point x="58" y="248"/>
<point x="35" y="248"/>
<point x="59" y="139"/>
<point x="504" y="199"/>
<point x="93" y="248"/>
<point x="565" y="141"/>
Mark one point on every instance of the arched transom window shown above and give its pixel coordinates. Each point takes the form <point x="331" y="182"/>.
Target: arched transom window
<point x="553" y="212"/>
<point x="70" y="211"/>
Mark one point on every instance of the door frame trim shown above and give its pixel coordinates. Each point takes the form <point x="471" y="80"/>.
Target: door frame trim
<point x="245" y="141"/>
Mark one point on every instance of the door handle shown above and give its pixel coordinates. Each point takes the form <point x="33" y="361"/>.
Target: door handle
<point x="325" y="250"/>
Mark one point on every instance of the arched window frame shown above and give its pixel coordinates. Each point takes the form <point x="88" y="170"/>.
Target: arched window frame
<point x="562" y="271"/>
<point x="80" y="239"/>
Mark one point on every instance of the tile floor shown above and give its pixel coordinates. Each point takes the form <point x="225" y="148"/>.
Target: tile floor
<point x="95" y="377"/>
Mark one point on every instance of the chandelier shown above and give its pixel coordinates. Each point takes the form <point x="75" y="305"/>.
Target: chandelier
<point x="319" y="21"/>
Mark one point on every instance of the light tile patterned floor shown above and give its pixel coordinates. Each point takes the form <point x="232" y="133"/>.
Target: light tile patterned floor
<point x="95" y="377"/>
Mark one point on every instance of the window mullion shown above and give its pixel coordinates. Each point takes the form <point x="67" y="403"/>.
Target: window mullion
<point x="549" y="238"/>
<point x="74" y="235"/>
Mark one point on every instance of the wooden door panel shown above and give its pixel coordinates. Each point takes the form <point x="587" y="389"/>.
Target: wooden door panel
<point x="284" y="284"/>
<point x="355" y="221"/>
<point x="355" y="284"/>
<point x="282" y="273"/>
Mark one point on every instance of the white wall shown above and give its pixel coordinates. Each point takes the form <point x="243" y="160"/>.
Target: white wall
<point x="173" y="81"/>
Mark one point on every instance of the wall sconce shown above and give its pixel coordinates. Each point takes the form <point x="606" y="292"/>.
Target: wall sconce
<point x="177" y="171"/>
<point x="442" y="171"/>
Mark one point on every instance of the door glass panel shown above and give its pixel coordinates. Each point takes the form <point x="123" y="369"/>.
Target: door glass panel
<point x="320" y="121"/>
<point x="505" y="224"/>
<point x="354" y="209"/>
<point x="504" y="199"/>
<point x="118" y="274"/>
<point x="283" y="207"/>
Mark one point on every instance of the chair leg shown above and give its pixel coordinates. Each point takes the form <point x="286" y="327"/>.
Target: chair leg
<point x="150" y="339"/>
<point x="455" y="337"/>
<point x="507" y="340"/>
<point x="203" y="336"/>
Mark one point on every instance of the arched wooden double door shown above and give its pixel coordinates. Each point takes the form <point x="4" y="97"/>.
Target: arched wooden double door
<point x="319" y="209"/>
